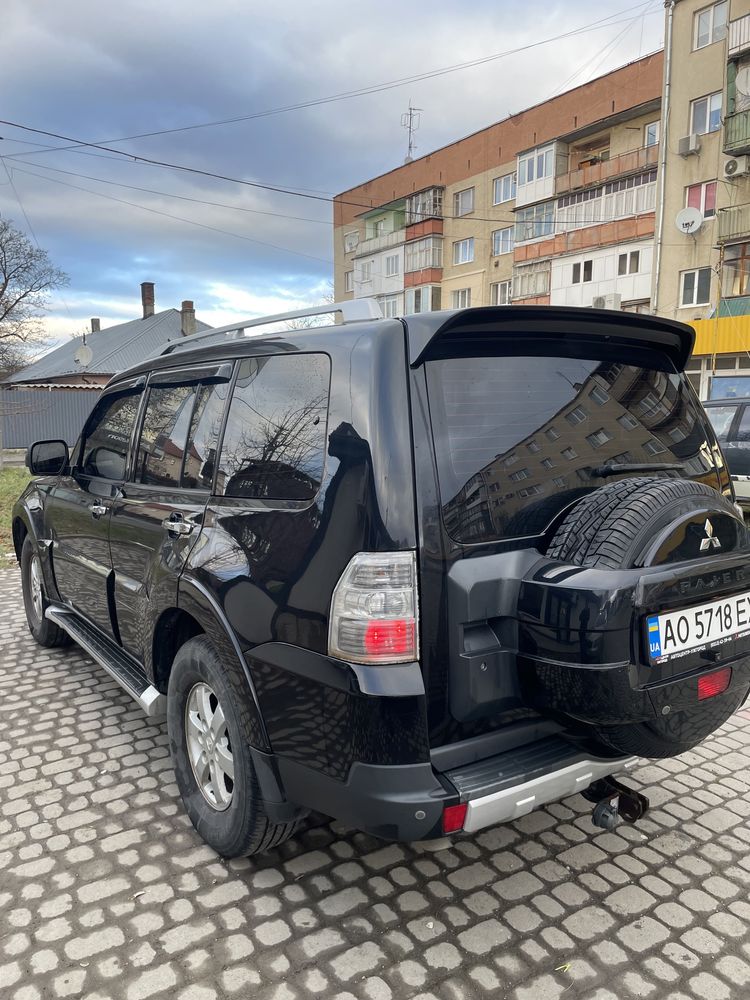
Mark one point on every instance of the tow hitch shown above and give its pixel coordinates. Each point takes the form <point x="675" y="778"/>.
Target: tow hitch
<point x="615" y="801"/>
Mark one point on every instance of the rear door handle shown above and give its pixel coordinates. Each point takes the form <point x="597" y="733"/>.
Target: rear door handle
<point x="97" y="509"/>
<point x="177" y="525"/>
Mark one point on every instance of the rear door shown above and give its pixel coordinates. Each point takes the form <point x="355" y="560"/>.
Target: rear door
<point x="157" y="514"/>
<point x="79" y="508"/>
<point x="518" y="437"/>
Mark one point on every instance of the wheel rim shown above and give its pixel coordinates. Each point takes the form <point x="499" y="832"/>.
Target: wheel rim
<point x="35" y="585"/>
<point x="208" y="746"/>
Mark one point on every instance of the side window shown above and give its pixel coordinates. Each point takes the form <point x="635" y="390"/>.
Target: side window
<point x="743" y="431"/>
<point x="203" y="438"/>
<point x="721" y="418"/>
<point x="275" y="439"/>
<point x="106" y="437"/>
<point x="163" y="435"/>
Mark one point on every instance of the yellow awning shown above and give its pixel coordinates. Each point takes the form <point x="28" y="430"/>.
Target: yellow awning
<point x="722" y="335"/>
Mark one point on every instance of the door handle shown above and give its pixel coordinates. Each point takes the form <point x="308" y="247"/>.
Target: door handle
<point x="177" y="525"/>
<point x="97" y="509"/>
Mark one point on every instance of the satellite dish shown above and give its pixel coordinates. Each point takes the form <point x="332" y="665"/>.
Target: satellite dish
<point x="742" y="87"/>
<point x="689" y="221"/>
<point x="83" y="356"/>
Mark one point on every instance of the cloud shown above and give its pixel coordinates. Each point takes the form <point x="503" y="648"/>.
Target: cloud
<point x="106" y="71"/>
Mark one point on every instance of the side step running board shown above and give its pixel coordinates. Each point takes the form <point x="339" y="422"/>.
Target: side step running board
<point x="119" y="665"/>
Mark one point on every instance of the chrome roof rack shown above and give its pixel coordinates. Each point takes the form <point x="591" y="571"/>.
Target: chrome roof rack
<point x="351" y="311"/>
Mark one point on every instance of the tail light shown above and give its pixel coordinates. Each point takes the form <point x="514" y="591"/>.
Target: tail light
<point x="374" y="609"/>
<point x="710" y="685"/>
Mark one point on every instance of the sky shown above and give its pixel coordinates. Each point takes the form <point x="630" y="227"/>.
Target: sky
<point x="103" y="72"/>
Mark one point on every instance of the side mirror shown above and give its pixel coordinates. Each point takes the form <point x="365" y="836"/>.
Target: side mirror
<point x="47" y="458"/>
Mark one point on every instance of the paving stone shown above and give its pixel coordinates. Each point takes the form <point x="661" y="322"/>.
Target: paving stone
<point x="106" y="891"/>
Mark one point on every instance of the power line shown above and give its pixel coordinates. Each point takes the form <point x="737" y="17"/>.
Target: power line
<point x="177" y="218"/>
<point x="607" y="21"/>
<point x="165" y="194"/>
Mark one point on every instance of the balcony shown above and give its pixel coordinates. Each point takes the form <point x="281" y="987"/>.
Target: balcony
<point x="737" y="133"/>
<point x="734" y="222"/>
<point x="383" y="242"/>
<point x="605" y="170"/>
<point x="739" y="36"/>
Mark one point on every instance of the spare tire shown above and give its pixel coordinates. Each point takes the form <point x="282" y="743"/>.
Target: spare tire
<point x="648" y="522"/>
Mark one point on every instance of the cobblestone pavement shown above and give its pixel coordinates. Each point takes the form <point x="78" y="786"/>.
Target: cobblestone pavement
<point x="106" y="891"/>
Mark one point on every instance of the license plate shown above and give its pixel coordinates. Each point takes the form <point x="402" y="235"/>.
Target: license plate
<point x="705" y="626"/>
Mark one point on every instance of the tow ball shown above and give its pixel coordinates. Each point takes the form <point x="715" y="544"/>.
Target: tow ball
<point x="615" y="802"/>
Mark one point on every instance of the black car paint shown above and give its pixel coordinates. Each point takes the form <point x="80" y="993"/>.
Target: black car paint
<point x="266" y="609"/>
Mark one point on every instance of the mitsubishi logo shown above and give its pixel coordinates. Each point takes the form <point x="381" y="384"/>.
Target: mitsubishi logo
<point x="710" y="541"/>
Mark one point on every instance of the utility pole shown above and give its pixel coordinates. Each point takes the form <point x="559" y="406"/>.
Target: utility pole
<point x="410" y="121"/>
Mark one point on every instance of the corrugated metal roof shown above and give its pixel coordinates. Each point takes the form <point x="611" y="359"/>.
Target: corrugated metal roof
<point x="114" y="349"/>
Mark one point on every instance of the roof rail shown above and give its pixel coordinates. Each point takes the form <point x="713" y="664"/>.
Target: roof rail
<point x="350" y="310"/>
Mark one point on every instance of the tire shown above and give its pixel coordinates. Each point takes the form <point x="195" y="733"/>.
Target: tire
<point x="226" y="809"/>
<point x="35" y="601"/>
<point x="610" y="529"/>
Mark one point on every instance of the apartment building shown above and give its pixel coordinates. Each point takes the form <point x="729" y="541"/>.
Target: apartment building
<point x="555" y="204"/>
<point x="630" y="192"/>
<point x="703" y="255"/>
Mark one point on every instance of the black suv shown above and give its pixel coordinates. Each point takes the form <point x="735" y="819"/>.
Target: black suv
<point x="418" y="574"/>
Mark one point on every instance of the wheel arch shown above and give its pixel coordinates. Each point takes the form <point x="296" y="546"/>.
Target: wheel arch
<point x="197" y="602"/>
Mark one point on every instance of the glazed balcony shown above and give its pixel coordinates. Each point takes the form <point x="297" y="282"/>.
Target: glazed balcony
<point x="383" y="242"/>
<point x="617" y="166"/>
<point x="737" y="133"/>
<point x="733" y="223"/>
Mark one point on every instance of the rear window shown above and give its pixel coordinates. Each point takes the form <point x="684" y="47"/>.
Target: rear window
<point x="519" y="438"/>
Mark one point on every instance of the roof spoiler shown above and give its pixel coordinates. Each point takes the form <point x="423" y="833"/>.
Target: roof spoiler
<point x="475" y="331"/>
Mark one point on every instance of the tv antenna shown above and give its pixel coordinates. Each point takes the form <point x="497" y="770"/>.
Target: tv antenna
<point x="410" y="121"/>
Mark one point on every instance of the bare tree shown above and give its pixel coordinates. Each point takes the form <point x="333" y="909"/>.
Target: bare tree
<point x="27" y="276"/>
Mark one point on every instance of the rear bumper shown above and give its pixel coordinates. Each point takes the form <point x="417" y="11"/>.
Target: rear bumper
<point x="406" y="802"/>
<point x="511" y="803"/>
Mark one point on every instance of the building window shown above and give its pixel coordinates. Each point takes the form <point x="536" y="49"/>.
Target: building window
<point x="627" y="421"/>
<point x="629" y="263"/>
<point x="533" y="447"/>
<point x="539" y="220"/>
<point x="576" y="416"/>
<point x="536" y="165"/>
<point x="599" y="395"/>
<point x="705" y="114"/>
<point x="710" y="25"/>
<point x="519" y="475"/>
<point x="530" y="491"/>
<point x="503" y="189"/>
<point x="560" y="481"/>
<point x="461" y="298"/>
<point x="463" y="251"/>
<point x="502" y="241"/>
<point x="348" y="281"/>
<point x="500" y="293"/>
<point x="422" y="299"/>
<point x="703" y="197"/>
<point x="737" y="269"/>
<point x="695" y="287"/>
<point x="379" y="228"/>
<point x="365" y="270"/>
<point x="424" y="253"/>
<point x="552" y="434"/>
<point x="651" y="134"/>
<point x="463" y="201"/>
<point x="391" y="305"/>
<point x="547" y="463"/>
<point x="654" y="447"/>
<point x="569" y="453"/>
<point x="424" y="205"/>
<point x="598" y="438"/>
<point x="586" y="269"/>
<point x="391" y="265"/>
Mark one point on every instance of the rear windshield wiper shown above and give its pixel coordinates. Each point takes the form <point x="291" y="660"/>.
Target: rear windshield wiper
<point x="615" y="470"/>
